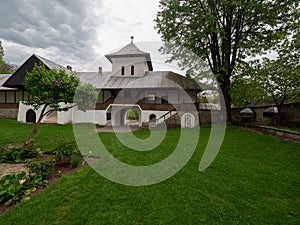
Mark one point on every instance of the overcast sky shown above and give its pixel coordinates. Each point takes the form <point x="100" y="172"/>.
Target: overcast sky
<point x="74" y="32"/>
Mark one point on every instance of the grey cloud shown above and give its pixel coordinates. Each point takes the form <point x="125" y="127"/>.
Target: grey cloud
<point x="69" y="26"/>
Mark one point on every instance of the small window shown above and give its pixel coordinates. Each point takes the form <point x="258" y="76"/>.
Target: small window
<point x="10" y="97"/>
<point x="132" y="70"/>
<point x="122" y="70"/>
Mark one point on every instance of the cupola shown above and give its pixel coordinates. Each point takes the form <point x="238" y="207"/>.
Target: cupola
<point x="130" y="61"/>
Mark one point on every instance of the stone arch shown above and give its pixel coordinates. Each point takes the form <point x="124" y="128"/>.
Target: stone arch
<point x="30" y="116"/>
<point x="132" y="117"/>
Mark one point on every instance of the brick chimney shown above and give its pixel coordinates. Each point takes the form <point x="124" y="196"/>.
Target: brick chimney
<point x="100" y="70"/>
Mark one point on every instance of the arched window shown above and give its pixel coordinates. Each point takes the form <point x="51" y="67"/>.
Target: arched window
<point x="132" y="70"/>
<point x="123" y="70"/>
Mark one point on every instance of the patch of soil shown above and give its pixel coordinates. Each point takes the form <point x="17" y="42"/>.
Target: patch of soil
<point x="60" y="168"/>
<point x="7" y="168"/>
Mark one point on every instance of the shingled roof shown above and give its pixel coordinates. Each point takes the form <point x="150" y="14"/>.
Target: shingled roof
<point x="131" y="50"/>
<point x="151" y="80"/>
<point x="3" y="79"/>
<point x="17" y="78"/>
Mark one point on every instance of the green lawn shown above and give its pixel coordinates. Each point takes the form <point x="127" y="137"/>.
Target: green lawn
<point x="255" y="179"/>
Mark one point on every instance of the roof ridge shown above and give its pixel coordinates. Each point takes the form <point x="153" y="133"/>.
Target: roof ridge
<point x="52" y="65"/>
<point x="129" y="49"/>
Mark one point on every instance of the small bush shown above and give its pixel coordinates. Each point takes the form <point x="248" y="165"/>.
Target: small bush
<point x="40" y="167"/>
<point x="17" y="155"/>
<point x="68" y="151"/>
<point x="15" y="188"/>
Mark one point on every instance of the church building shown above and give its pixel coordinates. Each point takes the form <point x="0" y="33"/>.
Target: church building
<point x="132" y="84"/>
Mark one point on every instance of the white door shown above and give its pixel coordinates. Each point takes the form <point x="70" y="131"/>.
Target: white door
<point x="188" y="120"/>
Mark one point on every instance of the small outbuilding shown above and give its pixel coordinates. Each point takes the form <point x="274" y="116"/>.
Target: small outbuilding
<point x="246" y="116"/>
<point x="271" y="112"/>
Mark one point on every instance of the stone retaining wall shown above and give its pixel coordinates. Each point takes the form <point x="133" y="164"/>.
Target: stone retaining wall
<point x="285" y="134"/>
<point x="9" y="113"/>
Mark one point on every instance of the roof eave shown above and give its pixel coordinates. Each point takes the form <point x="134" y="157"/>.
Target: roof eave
<point x="146" y="56"/>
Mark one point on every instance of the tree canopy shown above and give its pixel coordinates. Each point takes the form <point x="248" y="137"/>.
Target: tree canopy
<point x="225" y="32"/>
<point x="276" y="79"/>
<point x="50" y="87"/>
<point x="55" y="90"/>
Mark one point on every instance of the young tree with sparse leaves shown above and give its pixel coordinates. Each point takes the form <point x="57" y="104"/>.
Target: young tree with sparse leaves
<point x="52" y="90"/>
<point x="224" y="32"/>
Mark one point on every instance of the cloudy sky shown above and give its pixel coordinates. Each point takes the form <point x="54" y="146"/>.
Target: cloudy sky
<point x="74" y="32"/>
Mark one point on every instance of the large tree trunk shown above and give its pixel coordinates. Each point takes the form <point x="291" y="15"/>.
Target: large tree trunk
<point x="36" y="127"/>
<point x="279" y="115"/>
<point x="227" y="100"/>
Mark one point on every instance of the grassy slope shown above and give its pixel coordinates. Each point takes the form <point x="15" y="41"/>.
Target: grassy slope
<point x="254" y="180"/>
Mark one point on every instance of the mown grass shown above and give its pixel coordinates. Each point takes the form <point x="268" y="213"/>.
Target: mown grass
<point x="253" y="180"/>
<point x="48" y="136"/>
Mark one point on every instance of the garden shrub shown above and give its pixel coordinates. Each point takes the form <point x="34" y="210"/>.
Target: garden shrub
<point x="15" y="188"/>
<point x="68" y="151"/>
<point x="40" y="168"/>
<point x="17" y="155"/>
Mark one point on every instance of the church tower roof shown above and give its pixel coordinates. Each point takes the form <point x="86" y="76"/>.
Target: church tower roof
<point x="131" y="50"/>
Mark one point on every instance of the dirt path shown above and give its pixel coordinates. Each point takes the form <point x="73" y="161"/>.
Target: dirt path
<point x="6" y="168"/>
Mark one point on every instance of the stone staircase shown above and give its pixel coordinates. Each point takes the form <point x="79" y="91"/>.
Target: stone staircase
<point x="52" y="118"/>
<point x="170" y="119"/>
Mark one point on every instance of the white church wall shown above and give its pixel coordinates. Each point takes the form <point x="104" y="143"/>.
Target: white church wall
<point x="64" y="117"/>
<point x="23" y="110"/>
<point x="146" y="114"/>
<point x="89" y="116"/>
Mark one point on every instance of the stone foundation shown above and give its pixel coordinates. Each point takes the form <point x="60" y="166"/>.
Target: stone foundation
<point x="9" y="113"/>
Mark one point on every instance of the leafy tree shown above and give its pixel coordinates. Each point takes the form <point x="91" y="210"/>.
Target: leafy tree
<point x="54" y="90"/>
<point x="277" y="79"/>
<point x="224" y="32"/>
<point x="246" y="86"/>
<point x="280" y="79"/>
<point x="5" y="68"/>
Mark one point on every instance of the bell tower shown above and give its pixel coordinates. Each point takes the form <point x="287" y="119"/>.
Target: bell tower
<point x="130" y="61"/>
